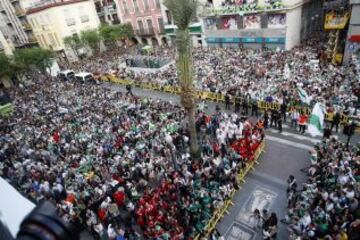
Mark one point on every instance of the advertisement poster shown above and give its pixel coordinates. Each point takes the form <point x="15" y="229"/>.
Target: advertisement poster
<point x="211" y="24"/>
<point x="252" y="22"/>
<point x="276" y="21"/>
<point x="229" y="22"/>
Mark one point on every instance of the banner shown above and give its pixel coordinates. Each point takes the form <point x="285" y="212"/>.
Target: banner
<point x="252" y="22"/>
<point x="336" y="21"/>
<point x="276" y="21"/>
<point x="229" y="22"/>
<point x="210" y="24"/>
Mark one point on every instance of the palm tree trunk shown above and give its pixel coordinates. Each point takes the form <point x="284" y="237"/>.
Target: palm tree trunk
<point x="185" y="75"/>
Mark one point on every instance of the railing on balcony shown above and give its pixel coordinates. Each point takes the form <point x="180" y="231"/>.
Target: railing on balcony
<point x="329" y="5"/>
<point x="145" y="32"/>
<point x="19" y="12"/>
<point x="27" y="27"/>
<point x="241" y="8"/>
<point x="32" y="40"/>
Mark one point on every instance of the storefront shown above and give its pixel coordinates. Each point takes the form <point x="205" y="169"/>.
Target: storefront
<point x="213" y="42"/>
<point x="231" y="42"/>
<point x="254" y="43"/>
<point x="275" y="43"/>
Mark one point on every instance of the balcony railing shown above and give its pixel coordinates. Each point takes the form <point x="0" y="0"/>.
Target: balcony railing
<point x="145" y="32"/>
<point x="19" y="12"/>
<point x="244" y="8"/>
<point x="27" y="27"/>
<point x="32" y="40"/>
<point x="329" y="5"/>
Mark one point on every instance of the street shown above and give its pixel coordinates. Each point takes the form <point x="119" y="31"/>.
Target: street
<point x="265" y="187"/>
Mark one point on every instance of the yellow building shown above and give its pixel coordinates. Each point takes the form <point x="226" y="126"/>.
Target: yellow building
<point x="53" y="21"/>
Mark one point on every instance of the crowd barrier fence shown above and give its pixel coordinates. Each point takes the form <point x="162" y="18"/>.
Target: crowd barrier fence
<point x="6" y="110"/>
<point x="216" y="97"/>
<point x="224" y="209"/>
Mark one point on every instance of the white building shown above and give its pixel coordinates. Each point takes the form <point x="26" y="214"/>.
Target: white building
<point x="14" y="25"/>
<point x="107" y="11"/>
<point x="280" y="24"/>
<point x="54" y="20"/>
<point x="5" y="45"/>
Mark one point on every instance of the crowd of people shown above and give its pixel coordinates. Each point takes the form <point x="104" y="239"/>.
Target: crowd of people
<point x="247" y="75"/>
<point x="327" y="205"/>
<point x="119" y="165"/>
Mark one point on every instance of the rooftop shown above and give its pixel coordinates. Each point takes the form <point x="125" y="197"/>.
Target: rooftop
<point x="50" y="4"/>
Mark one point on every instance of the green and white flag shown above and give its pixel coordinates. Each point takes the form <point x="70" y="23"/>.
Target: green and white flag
<point x="304" y="96"/>
<point x="316" y="124"/>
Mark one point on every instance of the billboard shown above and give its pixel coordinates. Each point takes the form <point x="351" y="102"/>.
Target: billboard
<point x="335" y="21"/>
<point x="252" y="21"/>
<point x="210" y="24"/>
<point x="276" y="21"/>
<point x="229" y="22"/>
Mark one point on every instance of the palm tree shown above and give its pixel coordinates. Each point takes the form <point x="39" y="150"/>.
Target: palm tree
<point x="183" y="12"/>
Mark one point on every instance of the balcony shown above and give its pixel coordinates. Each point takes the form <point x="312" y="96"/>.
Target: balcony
<point x="145" y="32"/>
<point x="32" y="39"/>
<point x="234" y="8"/>
<point x="335" y="4"/>
<point x="19" y="12"/>
<point x="101" y="13"/>
<point x="27" y="27"/>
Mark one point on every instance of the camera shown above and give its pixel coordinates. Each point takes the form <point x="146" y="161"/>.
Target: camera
<point x="42" y="223"/>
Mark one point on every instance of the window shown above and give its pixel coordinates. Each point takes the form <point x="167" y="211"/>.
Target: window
<point x="84" y="18"/>
<point x="126" y="11"/>
<point x="168" y="16"/>
<point x="140" y="26"/>
<point x="149" y="24"/>
<point x="70" y="22"/>
<point x="161" y="25"/>
<point x="57" y="39"/>
<point x="157" y="3"/>
<point x="44" y="40"/>
<point x="136" y="7"/>
<point x="52" y="40"/>
<point x="146" y="4"/>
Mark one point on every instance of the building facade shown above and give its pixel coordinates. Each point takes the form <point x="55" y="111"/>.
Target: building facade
<point x="5" y="45"/>
<point x="146" y="19"/>
<point x="352" y="48"/>
<point x="195" y="28"/>
<point x="278" y="24"/>
<point x="107" y="11"/>
<point x="14" y="25"/>
<point x="52" y="21"/>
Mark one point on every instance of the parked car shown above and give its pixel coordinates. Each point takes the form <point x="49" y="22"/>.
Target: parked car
<point x="66" y="75"/>
<point x="85" y="77"/>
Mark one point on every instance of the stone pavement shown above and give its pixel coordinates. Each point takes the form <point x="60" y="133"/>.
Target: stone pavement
<point x="265" y="187"/>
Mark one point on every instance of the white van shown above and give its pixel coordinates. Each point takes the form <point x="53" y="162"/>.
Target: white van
<point x="66" y="75"/>
<point x="84" y="77"/>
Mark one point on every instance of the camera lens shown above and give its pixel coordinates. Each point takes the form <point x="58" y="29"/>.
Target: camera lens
<point x="44" y="224"/>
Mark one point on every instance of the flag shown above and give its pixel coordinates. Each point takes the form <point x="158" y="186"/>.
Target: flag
<point x="316" y="124"/>
<point x="304" y="96"/>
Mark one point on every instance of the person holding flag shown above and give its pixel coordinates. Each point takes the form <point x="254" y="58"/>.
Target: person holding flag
<point x="316" y="123"/>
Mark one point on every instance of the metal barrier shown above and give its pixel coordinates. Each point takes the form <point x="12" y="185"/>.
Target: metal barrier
<point x="224" y="209"/>
<point x="215" y="97"/>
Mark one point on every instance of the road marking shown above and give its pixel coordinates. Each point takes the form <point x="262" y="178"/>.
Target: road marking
<point x="289" y="143"/>
<point x="265" y="177"/>
<point x="260" y="198"/>
<point x="238" y="231"/>
<point x="297" y="136"/>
